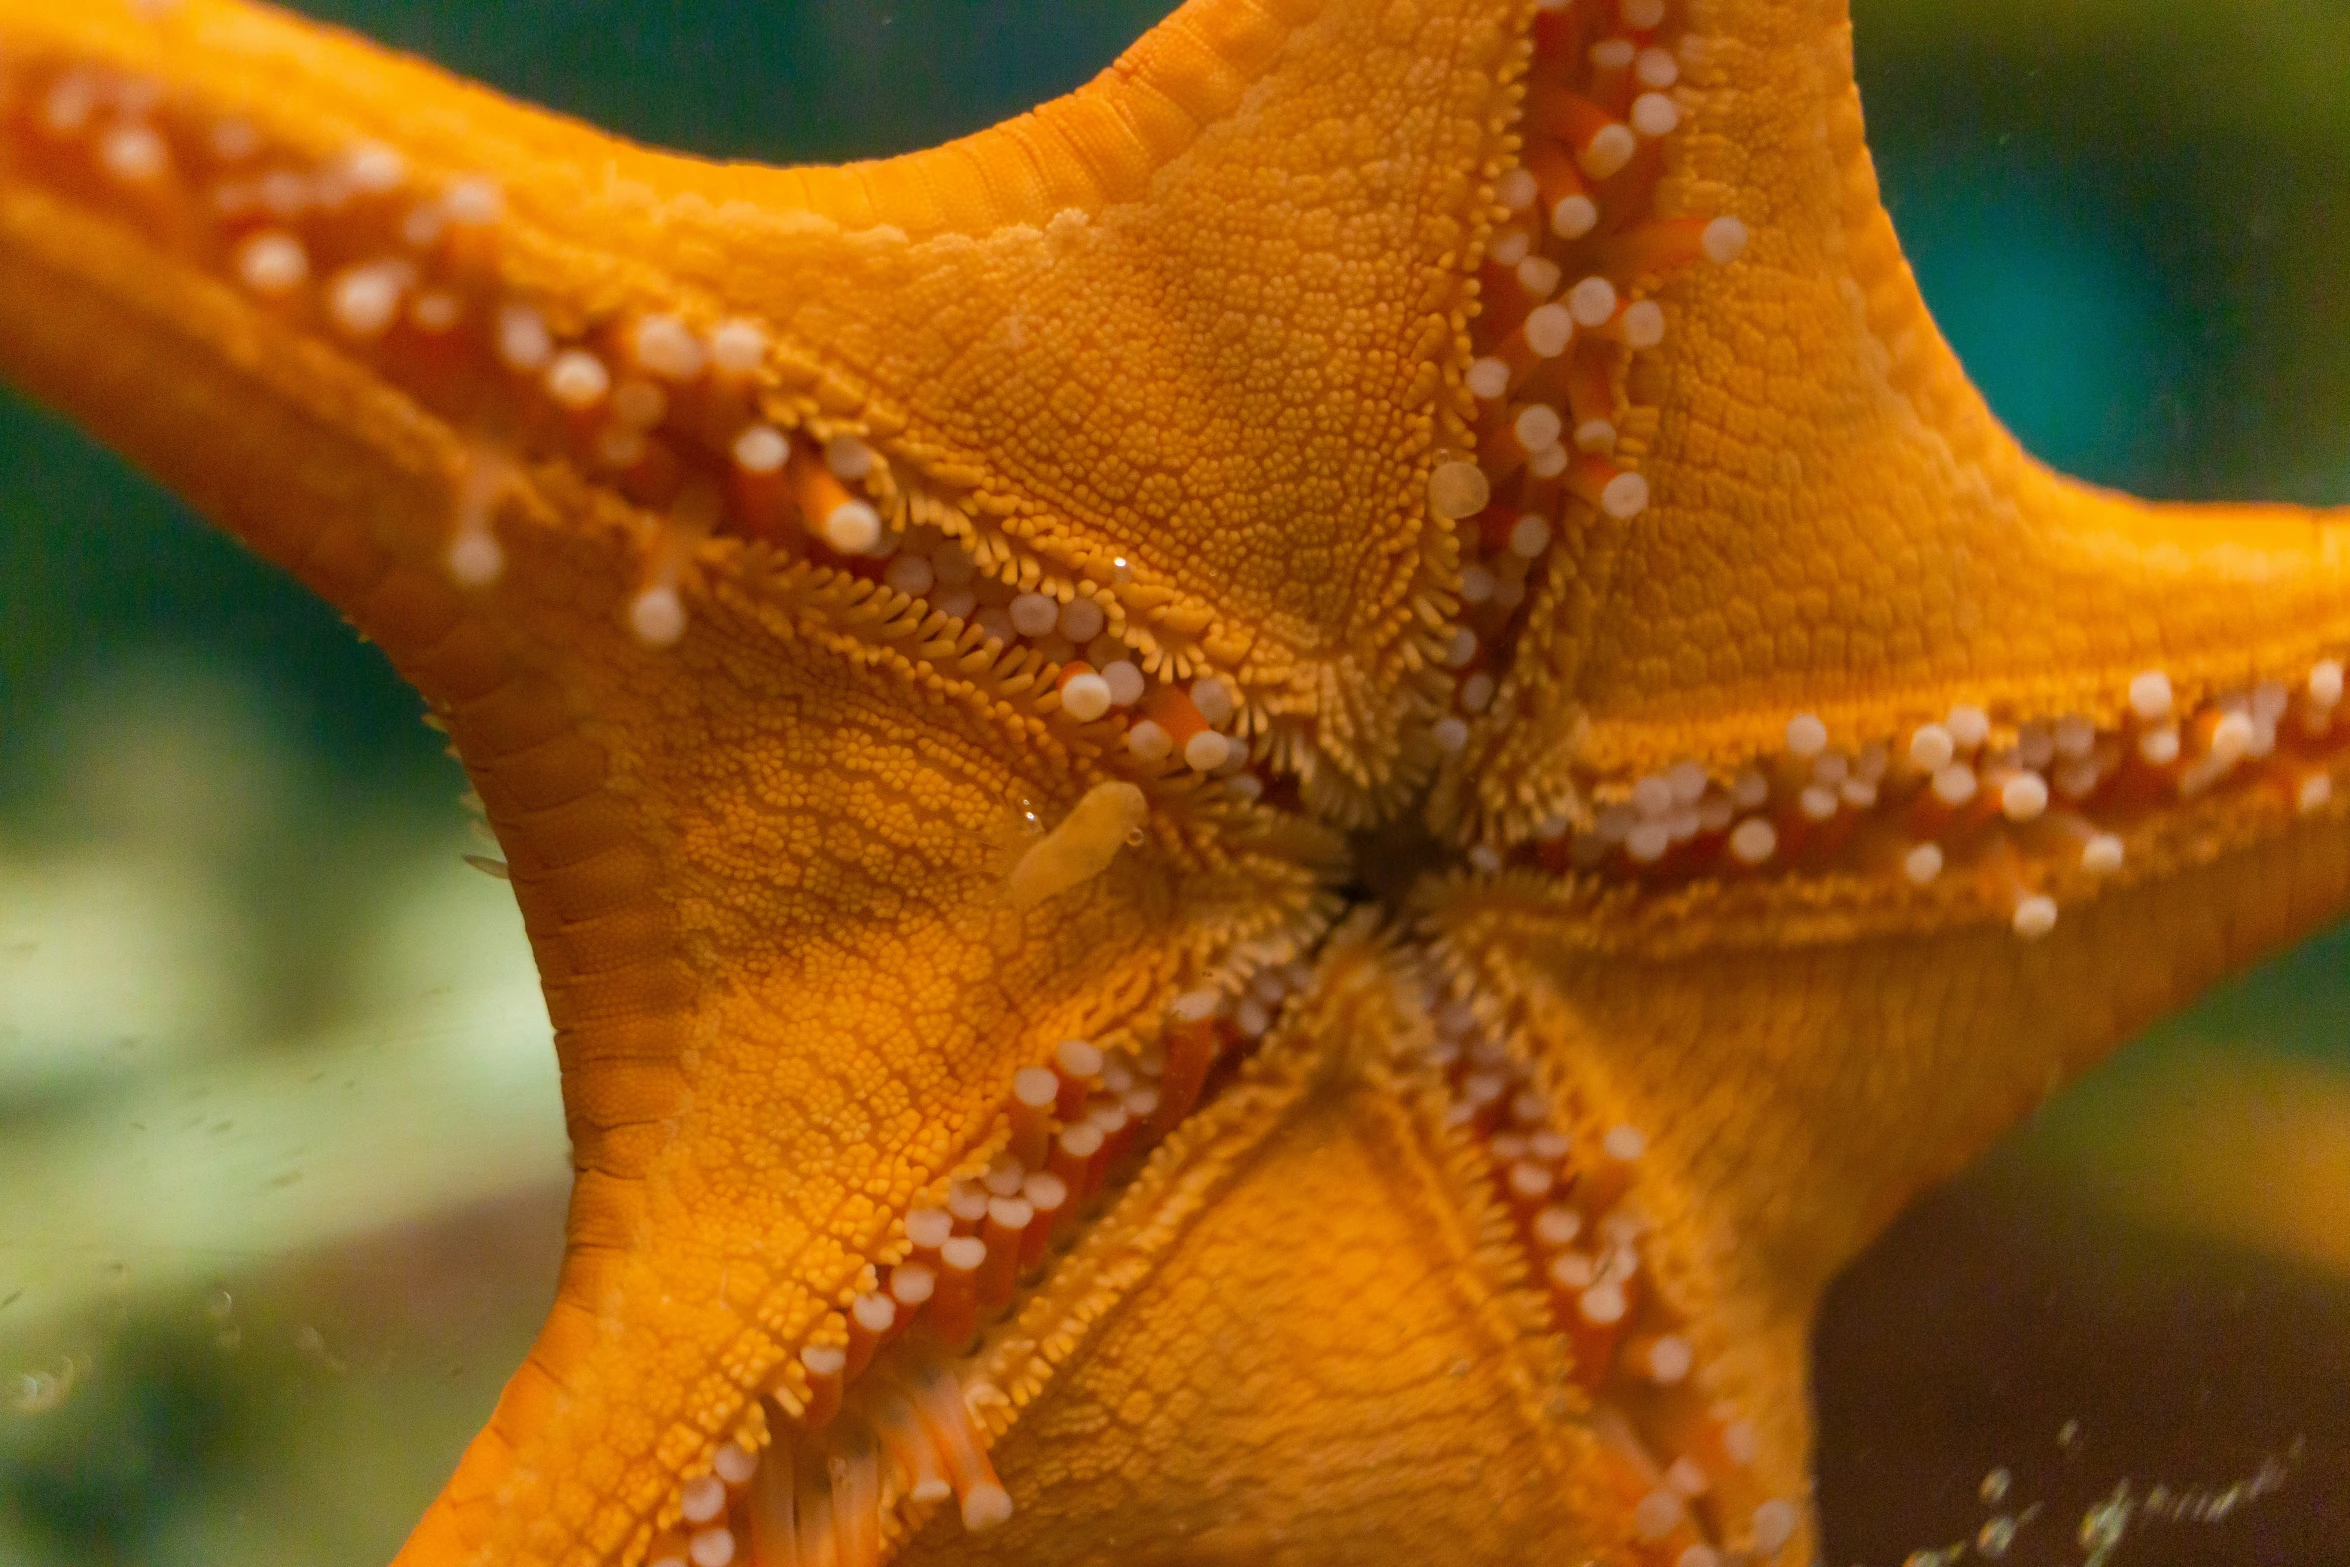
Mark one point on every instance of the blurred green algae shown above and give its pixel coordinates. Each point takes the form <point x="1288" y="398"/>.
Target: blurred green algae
<point x="280" y="1152"/>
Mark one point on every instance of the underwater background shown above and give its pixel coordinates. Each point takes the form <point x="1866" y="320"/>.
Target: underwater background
<point x="281" y="1158"/>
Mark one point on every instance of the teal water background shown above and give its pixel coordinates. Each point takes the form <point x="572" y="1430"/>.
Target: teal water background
<point x="280" y="1154"/>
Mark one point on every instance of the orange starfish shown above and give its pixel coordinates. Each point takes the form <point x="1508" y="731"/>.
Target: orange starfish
<point x="924" y="632"/>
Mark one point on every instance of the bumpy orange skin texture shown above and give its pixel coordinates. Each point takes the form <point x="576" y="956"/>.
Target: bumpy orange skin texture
<point x="1195" y="337"/>
<point x="1840" y="524"/>
<point x="1291" y="1369"/>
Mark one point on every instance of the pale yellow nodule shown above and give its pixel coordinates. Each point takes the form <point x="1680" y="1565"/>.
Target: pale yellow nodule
<point x="1082" y="847"/>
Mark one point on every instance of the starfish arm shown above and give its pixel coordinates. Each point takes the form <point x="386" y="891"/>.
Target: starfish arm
<point x="1110" y="342"/>
<point x="1801" y="1064"/>
<point x="1311" y="1331"/>
<point x="1813" y="1060"/>
<point x="1840" y="526"/>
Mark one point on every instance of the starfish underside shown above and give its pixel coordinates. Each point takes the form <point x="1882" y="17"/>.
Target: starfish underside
<point x="1259" y="813"/>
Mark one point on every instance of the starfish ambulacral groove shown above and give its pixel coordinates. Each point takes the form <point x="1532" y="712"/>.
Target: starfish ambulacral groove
<point x="922" y="633"/>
